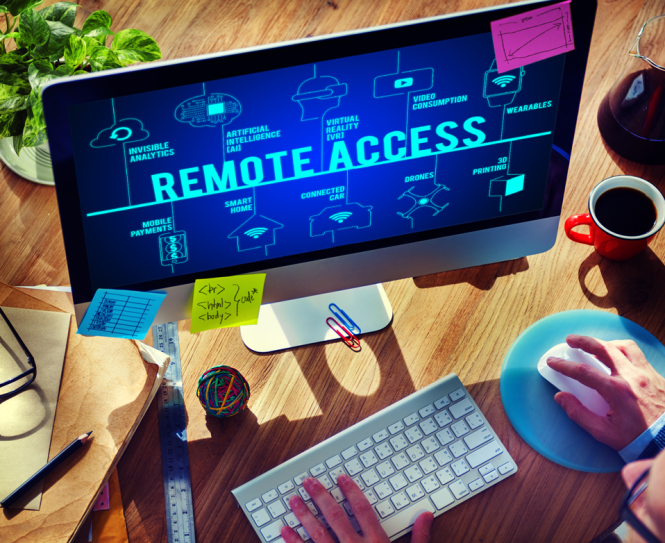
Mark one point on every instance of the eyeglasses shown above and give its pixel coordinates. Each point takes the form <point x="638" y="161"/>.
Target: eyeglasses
<point x="638" y="487"/>
<point x="30" y="374"/>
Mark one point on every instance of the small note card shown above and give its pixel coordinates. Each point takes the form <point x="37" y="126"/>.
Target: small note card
<point x="532" y="36"/>
<point x="121" y="313"/>
<point x="227" y="301"/>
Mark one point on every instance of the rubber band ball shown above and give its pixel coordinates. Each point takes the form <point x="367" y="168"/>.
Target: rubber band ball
<point x="223" y="391"/>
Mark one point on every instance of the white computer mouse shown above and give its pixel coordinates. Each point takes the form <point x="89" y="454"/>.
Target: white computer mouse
<point x="587" y="396"/>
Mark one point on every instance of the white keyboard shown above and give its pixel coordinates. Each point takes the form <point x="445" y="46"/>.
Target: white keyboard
<point x="430" y="451"/>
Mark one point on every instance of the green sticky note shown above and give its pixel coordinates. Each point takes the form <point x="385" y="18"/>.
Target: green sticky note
<point x="226" y="301"/>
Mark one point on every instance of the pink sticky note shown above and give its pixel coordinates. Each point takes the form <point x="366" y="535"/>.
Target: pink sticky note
<point x="102" y="503"/>
<point x="532" y="36"/>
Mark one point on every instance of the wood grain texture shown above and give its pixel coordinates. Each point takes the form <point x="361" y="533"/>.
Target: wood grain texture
<point x="462" y="321"/>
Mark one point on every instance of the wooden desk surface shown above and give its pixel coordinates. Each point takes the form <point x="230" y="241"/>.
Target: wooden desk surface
<point x="462" y="321"/>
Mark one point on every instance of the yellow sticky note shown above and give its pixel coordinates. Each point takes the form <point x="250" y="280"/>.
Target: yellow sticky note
<point x="226" y="301"/>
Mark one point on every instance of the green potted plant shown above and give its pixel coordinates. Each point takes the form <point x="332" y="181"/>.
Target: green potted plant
<point x="39" y="46"/>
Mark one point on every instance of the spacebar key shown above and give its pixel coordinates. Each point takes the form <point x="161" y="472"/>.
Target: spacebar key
<point x="405" y="518"/>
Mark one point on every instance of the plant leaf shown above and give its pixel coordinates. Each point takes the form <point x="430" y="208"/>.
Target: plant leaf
<point x="102" y="58"/>
<point x="74" y="52"/>
<point x="10" y="35"/>
<point x="59" y="37"/>
<point x="12" y="123"/>
<point x="34" y="131"/>
<point x="133" y="45"/>
<point x="33" y="29"/>
<point x="41" y="72"/>
<point x="14" y="104"/>
<point x="98" y="25"/>
<point x="16" y="7"/>
<point x="62" y="12"/>
<point x="13" y="70"/>
<point x="18" y="143"/>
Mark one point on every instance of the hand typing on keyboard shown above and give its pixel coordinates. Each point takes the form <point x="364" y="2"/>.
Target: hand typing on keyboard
<point x="634" y="390"/>
<point x="337" y="519"/>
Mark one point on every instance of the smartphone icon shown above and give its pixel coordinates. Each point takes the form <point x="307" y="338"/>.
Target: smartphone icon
<point x="173" y="248"/>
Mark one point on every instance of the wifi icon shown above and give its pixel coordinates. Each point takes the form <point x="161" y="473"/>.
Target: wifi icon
<point x="341" y="216"/>
<point x="255" y="232"/>
<point x="503" y="80"/>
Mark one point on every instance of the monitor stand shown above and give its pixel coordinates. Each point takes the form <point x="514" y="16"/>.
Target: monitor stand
<point x="284" y="325"/>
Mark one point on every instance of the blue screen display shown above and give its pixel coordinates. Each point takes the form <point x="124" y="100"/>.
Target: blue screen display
<point x="250" y="168"/>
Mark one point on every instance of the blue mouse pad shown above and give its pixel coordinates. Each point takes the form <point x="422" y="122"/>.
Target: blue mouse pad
<point x="529" y="399"/>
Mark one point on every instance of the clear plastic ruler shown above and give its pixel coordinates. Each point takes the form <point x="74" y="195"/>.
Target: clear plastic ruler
<point x="173" y="440"/>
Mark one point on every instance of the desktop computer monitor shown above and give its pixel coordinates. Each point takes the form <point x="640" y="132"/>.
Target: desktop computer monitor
<point x="327" y="163"/>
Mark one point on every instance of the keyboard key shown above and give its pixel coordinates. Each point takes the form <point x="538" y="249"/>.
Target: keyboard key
<point x="354" y="467"/>
<point x="370" y="477"/>
<point x="430" y="484"/>
<point x="460" y="467"/>
<point x="348" y="509"/>
<point x="458" y="449"/>
<point x="400" y="501"/>
<point x="288" y="486"/>
<point x="287" y="498"/>
<point x="303" y="494"/>
<point x="445" y="476"/>
<point x="428" y="465"/>
<point x="325" y="481"/>
<point x="253" y="505"/>
<point x="457" y="394"/>
<point x="365" y="444"/>
<point x="261" y="517"/>
<point x="476" y="439"/>
<point x="349" y="453"/>
<point x="338" y="494"/>
<point x="300" y="479"/>
<point x="442" y="418"/>
<point x="312" y="508"/>
<point x="413" y="434"/>
<point x="508" y="466"/>
<point x="317" y="470"/>
<point x="303" y="534"/>
<point x="383" y="490"/>
<point x="406" y="517"/>
<point x="430" y="445"/>
<point x="474" y="420"/>
<point x="385" y="469"/>
<point x="458" y="410"/>
<point x="385" y="509"/>
<point x="486" y="469"/>
<point x="428" y="426"/>
<point x="371" y="497"/>
<point x="380" y="436"/>
<point x="276" y="509"/>
<point x="415" y="453"/>
<point x="334" y="461"/>
<point x="445" y="436"/>
<point x="443" y="457"/>
<point x="399" y="442"/>
<point x="334" y="473"/>
<point x="442" y="402"/>
<point x="475" y="485"/>
<point x="272" y="531"/>
<point x="427" y="411"/>
<point x="291" y="520"/>
<point x="415" y="492"/>
<point x="442" y="498"/>
<point x="413" y="474"/>
<point x="359" y="482"/>
<point x="460" y="428"/>
<point x="369" y="459"/>
<point x="383" y="451"/>
<point x="491" y="476"/>
<point x="398" y="482"/>
<point x="400" y="461"/>
<point x="485" y="453"/>
<point x="395" y="428"/>
<point x="269" y="496"/>
<point x="459" y="489"/>
<point x="411" y="419"/>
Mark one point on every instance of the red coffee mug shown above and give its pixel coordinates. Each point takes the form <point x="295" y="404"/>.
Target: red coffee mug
<point x="609" y="244"/>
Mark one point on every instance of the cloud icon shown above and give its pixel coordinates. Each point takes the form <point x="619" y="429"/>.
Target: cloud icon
<point x="125" y="130"/>
<point x="208" y="110"/>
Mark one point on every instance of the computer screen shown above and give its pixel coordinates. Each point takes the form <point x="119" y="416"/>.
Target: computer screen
<point x="315" y="160"/>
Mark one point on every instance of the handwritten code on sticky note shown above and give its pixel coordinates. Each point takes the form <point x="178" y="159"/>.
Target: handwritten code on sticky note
<point x="532" y="36"/>
<point x="121" y="313"/>
<point x="227" y="301"/>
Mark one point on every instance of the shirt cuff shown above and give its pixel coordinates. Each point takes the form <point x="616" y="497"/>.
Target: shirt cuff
<point x="634" y="450"/>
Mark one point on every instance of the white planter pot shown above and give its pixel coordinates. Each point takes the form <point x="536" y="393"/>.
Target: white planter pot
<point x="34" y="163"/>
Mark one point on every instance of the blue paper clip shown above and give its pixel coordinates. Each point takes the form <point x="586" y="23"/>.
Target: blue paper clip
<point x="346" y="320"/>
<point x="347" y="337"/>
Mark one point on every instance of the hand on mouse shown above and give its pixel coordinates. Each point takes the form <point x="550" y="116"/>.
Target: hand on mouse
<point x="372" y="532"/>
<point x="634" y="390"/>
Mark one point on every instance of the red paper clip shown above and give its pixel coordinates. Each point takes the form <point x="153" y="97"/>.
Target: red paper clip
<point x="351" y="341"/>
